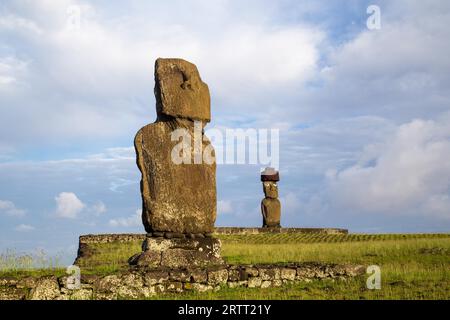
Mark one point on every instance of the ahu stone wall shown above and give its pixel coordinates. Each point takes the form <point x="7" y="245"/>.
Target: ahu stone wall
<point x="140" y="284"/>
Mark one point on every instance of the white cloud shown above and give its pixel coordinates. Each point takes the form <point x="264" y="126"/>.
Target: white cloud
<point x="406" y="175"/>
<point x="116" y="154"/>
<point x="68" y="205"/>
<point x="131" y="221"/>
<point x="224" y="206"/>
<point x="10" y="209"/>
<point x="103" y="72"/>
<point x="290" y="204"/>
<point x="389" y="72"/>
<point x="13" y="22"/>
<point x="12" y="70"/>
<point x="24" y="228"/>
<point x="98" y="208"/>
<point x="259" y="57"/>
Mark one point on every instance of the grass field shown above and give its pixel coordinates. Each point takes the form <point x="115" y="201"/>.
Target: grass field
<point x="413" y="266"/>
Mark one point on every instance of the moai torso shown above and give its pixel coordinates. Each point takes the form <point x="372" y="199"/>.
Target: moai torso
<point x="270" y="205"/>
<point x="179" y="198"/>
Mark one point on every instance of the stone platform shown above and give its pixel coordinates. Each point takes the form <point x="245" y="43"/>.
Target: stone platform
<point x="178" y="252"/>
<point x="246" y="230"/>
<point x="88" y="243"/>
<point x="129" y="237"/>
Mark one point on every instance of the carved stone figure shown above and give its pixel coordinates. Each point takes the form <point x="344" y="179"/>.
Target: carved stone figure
<point x="270" y="205"/>
<point x="178" y="197"/>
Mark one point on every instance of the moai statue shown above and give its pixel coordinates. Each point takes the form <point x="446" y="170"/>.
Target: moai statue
<point x="178" y="197"/>
<point x="270" y="205"/>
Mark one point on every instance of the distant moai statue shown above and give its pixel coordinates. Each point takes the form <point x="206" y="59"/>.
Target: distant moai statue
<point x="270" y="205"/>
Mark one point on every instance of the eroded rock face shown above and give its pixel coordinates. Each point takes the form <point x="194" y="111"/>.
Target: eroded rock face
<point x="177" y="197"/>
<point x="47" y="288"/>
<point x="178" y="253"/>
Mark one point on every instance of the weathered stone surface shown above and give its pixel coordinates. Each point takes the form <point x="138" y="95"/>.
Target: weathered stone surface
<point x="108" y="283"/>
<point x="269" y="273"/>
<point x="8" y="281"/>
<point x="27" y="282"/>
<point x="177" y="197"/>
<point x="11" y="293"/>
<point x="179" y="253"/>
<point x="157" y="234"/>
<point x="237" y="284"/>
<point x="153" y="277"/>
<point x="146" y="258"/>
<point x="174" y="286"/>
<point x="199" y="275"/>
<point x="46" y="288"/>
<point x="252" y="271"/>
<point x="88" y="278"/>
<point x="234" y="275"/>
<point x="272" y="210"/>
<point x="254" y="282"/>
<point x="198" y="287"/>
<point x="178" y="258"/>
<point x="217" y="277"/>
<point x="132" y="280"/>
<point x="81" y="294"/>
<point x="105" y="296"/>
<point x="126" y="286"/>
<point x="288" y="274"/>
<point x="126" y="292"/>
<point x="305" y="272"/>
<point x="180" y="275"/>
<point x="277" y="283"/>
<point x="353" y="271"/>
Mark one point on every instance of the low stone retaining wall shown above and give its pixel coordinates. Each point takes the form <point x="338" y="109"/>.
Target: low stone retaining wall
<point x="243" y="231"/>
<point x="106" y="238"/>
<point x="139" y="283"/>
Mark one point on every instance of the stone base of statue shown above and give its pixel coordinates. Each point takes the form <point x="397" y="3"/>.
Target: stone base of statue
<point x="178" y="253"/>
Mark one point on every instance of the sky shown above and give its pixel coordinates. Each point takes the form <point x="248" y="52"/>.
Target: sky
<point x="363" y="114"/>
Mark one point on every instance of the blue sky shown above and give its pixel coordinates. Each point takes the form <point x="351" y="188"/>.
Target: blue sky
<point x="363" y="114"/>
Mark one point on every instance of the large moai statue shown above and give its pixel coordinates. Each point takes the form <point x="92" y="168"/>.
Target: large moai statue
<point x="178" y="198"/>
<point x="270" y="205"/>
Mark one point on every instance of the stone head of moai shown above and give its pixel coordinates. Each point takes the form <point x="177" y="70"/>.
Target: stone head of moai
<point x="270" y="205"/>
<point x="180" y="92"/>
<point x="177" y="198"/>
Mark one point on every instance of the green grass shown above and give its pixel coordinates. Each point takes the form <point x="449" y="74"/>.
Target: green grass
<point x="109" y="258"/>
<point x="367" y="252"/>
<point x="15" y="265"/>
<point x="284" y="238"/>
<point x="413" y="266"/>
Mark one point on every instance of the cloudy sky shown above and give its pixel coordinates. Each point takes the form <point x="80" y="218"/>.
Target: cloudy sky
<point x="363" y="113"/>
